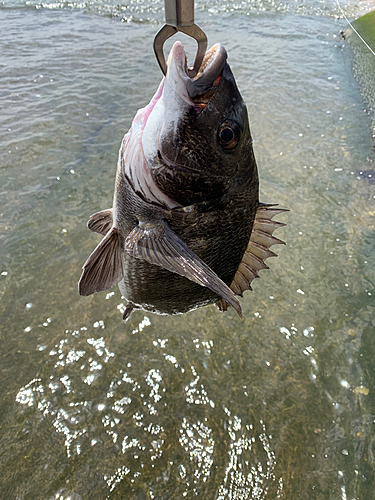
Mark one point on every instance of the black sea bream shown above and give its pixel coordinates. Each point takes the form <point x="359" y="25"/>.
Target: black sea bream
<point x="186" y="228"/>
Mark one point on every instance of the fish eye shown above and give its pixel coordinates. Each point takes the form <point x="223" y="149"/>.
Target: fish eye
<point x="229" y="134"/>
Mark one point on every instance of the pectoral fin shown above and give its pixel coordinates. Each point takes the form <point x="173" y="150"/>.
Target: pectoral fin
<point x="157" y="244"/>
<point x="101" y="222"/>
<point x="258" y="250"/>
<point x="104" y="268"/>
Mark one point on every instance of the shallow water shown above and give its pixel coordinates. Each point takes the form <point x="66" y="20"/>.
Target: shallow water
<point x="278" y="405"/>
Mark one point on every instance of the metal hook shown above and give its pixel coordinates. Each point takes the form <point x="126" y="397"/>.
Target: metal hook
<point x="179" y="16"/>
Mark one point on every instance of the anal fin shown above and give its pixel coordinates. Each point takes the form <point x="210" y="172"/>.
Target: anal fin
<point x="101" y="222"/>
<point x="104" y="268"/>
<point x="257" y="251"/>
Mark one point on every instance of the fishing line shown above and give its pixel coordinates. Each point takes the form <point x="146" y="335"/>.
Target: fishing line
<point x="353" y="28"/>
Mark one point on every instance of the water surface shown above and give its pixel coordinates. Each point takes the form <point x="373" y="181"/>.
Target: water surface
<point x="278" y="405"/>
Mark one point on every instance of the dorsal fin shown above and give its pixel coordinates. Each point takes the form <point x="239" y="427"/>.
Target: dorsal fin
<point x="257" y="251"/>
<point x="101" y="222"/>
<point x="104" y="268"/>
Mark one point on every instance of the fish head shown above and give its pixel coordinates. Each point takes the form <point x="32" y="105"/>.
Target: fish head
<point x="196" y="140"/>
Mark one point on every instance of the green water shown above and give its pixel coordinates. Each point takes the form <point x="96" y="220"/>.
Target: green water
<point x="278" y="405"/>
<point x="363" y="29"/>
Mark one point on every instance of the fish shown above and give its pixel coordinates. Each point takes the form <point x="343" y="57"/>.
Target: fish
<point x="186" y="228"/>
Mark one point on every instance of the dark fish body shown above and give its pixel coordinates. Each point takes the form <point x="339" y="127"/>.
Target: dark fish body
<point x="181" y="232"/>
<point x="211" y="234"/>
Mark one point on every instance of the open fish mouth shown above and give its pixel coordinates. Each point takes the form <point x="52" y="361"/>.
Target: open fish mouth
<point x="198" y="90"/>
<point x="209" y="73"/>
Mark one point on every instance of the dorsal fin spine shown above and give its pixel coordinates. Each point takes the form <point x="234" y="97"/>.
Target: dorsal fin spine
<point x="257" y="251"/>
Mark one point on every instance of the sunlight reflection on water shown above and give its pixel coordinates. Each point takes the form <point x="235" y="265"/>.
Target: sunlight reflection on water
<point x="277" y="405"/>
<point x="246" y="475"/>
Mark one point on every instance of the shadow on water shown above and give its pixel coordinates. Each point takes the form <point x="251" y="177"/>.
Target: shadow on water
<point x="278" y="405"/>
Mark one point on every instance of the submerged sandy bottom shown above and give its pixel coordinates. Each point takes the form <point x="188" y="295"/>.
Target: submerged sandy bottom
<point x="278" y="405"/>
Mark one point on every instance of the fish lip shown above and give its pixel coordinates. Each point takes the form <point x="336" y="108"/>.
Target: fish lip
<point x="176" y="78"/>
<point x="212" y="65"/>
